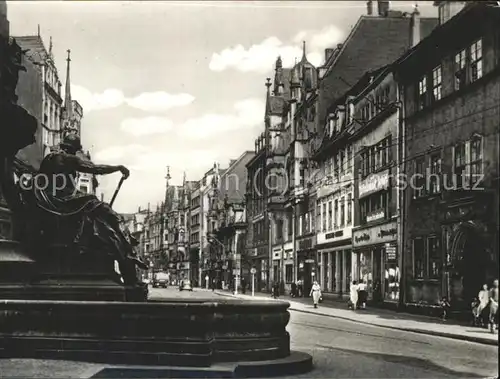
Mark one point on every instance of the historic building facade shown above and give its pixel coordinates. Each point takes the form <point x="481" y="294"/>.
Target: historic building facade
<point x="52" y="101"/>
<point x="374" y="141"/>
<point x="258" y="217"/>
<point x="231" y="225"/>
<point x="451" y="87"/>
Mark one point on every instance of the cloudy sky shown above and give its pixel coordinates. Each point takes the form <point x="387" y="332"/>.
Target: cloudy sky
<point x="178" y="84"/>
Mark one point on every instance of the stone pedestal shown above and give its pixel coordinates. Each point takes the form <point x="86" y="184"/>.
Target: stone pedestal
<point x="59" y="274"/>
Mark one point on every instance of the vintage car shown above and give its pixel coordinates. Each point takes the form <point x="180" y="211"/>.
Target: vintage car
<point x="185" y="285"/>
<point x="160" y="279"/>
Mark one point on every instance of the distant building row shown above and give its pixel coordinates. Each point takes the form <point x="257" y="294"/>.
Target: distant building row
<point x="380" y="166"/>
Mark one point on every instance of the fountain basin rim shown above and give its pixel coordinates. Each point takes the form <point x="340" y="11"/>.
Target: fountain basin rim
<point x="154" y="303"/>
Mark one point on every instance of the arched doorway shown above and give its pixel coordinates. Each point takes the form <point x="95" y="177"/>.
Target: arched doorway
<point x="470" y="264"/>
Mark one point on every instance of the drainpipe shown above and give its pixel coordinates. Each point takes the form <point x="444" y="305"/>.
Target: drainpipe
<point x="401" y="198"/>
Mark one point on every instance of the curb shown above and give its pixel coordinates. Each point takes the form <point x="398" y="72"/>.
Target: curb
<point x="295" y="364"/>
<point x="484" y="341"/>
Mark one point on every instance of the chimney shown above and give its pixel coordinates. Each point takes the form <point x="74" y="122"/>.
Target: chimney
<point x="369" y="7"/>
<point x="415" y="27"/>
<point x="383" y="7"/>
<point x="328" y="54"/>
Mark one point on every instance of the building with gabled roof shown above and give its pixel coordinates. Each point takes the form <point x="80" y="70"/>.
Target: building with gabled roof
<point x="52" y="102"/>
<point x="375" y="41"/>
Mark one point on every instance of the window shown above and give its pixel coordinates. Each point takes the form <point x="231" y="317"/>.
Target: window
<point x="365" y="113"/>
<point x="323" y="229"/>
<point x="330" y="216"/>
<point x="476" y="160"/>
<point x="434" y="258"/>
<point x="435" y="173"/>
<point x="279" y="230"/>
<point x="335" y="214"/>
<point x="349" y="158"/>
<point x="342" y="211"/>
<point x="418" y="258"/>
<point x="476" y="61"/>
<point x="437" y="80"/>
<point x="349" y="208"/>
<point x="363" y="210"/>
<point x="460" y="72"/>
<point x="459" y="165"/>
<point x="341" y="161"/>
<point x="302" y="176"/>
<point x="419" y="180"/>
<point x="288" y="273"/>
<point x="422" y="93"/>
<point x="318" y="217"/>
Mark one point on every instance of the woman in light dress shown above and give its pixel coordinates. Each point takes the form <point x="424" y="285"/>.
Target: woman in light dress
<point x="354" y="294"/>
<point x="484" y="300"/>
<point x="315" y="293"/>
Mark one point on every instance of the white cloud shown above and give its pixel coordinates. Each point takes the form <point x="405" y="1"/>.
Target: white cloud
<point x="115" y="154"/>
<point x="145" y="126"/>
<point x="111" y="98"/>
<point x="159" y="101"/>
<point x="248" y="113"/>
<point x="261" y="57"/>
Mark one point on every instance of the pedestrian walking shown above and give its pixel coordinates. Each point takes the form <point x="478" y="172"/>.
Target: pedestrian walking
<point x="353" y="298"/>
<point x="294" y="289"/>
<point x="445" y="307"/>
<point x="300" y="288"/>
<point x="481" y="312"/>
<point x="315" y="293"/>
<point x="493" y="317"/>
<point x="362" y="295"/>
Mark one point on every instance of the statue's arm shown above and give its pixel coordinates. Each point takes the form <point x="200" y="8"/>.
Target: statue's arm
<point x="88" y="167"/>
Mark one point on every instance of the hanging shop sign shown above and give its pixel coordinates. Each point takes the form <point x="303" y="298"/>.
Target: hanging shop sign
<point x="390" y="252"/>
<point x="375" y="235"/>
<point x="374" y="183"/>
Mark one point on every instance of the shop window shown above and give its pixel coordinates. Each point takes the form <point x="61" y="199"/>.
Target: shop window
<point x="418" y="258"/>
<point x="392" y="278"/>
<point x="288" y="273"/>
<point x="434" y="255"/>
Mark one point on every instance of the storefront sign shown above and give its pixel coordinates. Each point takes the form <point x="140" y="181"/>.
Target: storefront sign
<point x="337" y="234"/>
<point x="277" y="253"/>
<point x="305" y="244"/>
<point x="374" y="183"/>
<point x="390" y="252"/>
<point x="378" y="215"/>
<point x="375" y="235"/>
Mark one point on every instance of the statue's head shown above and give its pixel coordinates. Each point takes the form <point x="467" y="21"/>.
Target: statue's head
<point x="71" y="143"/>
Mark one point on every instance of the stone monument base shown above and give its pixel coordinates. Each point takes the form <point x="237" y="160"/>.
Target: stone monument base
<point x="196" y="334"/>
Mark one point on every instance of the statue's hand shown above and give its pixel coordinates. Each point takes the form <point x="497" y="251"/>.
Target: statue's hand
<point x="125" y="171"/>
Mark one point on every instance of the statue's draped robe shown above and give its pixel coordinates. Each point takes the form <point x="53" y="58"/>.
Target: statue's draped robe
<point x="96" y="225"/>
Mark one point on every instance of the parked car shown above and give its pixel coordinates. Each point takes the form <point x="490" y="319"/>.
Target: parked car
<point x="185" y="285"/>
<point x="160" y="280"/>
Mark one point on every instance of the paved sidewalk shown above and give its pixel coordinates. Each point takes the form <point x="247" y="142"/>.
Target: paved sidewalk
<point x="386" y="319"/>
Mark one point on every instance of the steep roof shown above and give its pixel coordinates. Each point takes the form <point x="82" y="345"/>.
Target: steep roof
<point x="37" y="52"/>
<point x="234" y="180"/>
<point x="373" y="42"/>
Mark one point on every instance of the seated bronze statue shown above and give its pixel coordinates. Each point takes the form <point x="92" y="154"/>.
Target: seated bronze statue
<point x="53" y="195"/>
